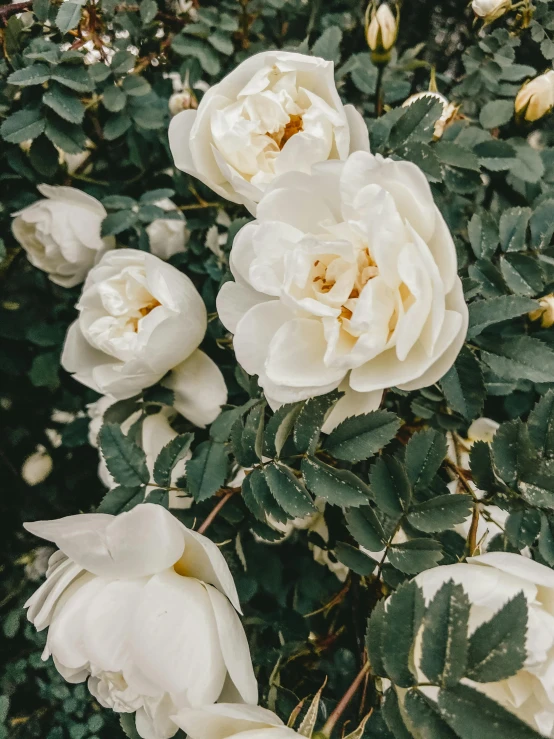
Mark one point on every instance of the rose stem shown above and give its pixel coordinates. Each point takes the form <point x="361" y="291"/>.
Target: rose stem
<point x="215" y="511"/>
<point x="344" y="701"/>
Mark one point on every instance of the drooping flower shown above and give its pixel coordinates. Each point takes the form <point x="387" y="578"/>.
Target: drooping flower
<point x="145" y="609"/>
<point x="139" y="317"/>
<point x="276" y="112"/>
<point x="490" y="581"/>
<point x="61" y="233"/>
<point x="346" y="280"/>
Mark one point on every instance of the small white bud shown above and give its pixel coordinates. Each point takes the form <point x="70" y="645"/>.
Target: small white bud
<point x="536" y="98"/>
<point x="381" y="31"/>
<point x="37" y="467"/>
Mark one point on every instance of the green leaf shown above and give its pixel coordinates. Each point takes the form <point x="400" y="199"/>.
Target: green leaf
<point x="73" y="76"/>
<point x="355" y="559"/>
<point x="404" y="614"/>
<point x="495" y="155"/>
<point x="149" y="116"/>
<point x="125" y="460"/>
<point x="425" y="453"/>
<point x="424" y="717"/>
<point x="542" y="225"/>
<point x="116" y="126"/>
<point x="120" y="499"/>
<point x="263" y="497"/>
<point x="23" y="125"/>
<point x="279" y="428"/>
<point x="253" y="433"/>
<point x="127" y="722"/>
<point x="44" y="157"/>
<point x="513" y="228"/>
<point x="537" y="488"/>
<point x="172" y="453"/>
<point x="415" y="555"/>
<point x="512" y="451"/>
<point x="199" y="49"/>
<point x="472" y="715"/>
<point x="122" y="62"/>
<point x="41" y="9"/>
<point x="310" y="420"/>
<point x="483" y="235"/>
<point x="522" y="273"/>
<point x="36" y="74"/>
<point x="445" y="641"/>
<point x="251" y="501"/>
<point x="360" y="437"/>
<point x="546" y="537"/>
<point x="390" y="486"/>
<point x="496" y="113"/>
<point x="393" y="717"/>
<point x="463" y="385"/>
<point x="136" y="86"/>
<point x="484" y="313"/>
<point x="528" y="165"/>
<point x="114" y="99"/>
<point x="456" y="156"/>
<point x="497" y="647"/>
<point x="222" y="42"/>
<point x="68" y="16"/>
<point x="440" y="513"/>
<point x="374" y="638"/>
<point x="338" y="487"/>
<point x="488" y="275"/>
<point x="148" y="10"/>
<point x="328" y="44"/>
<point x="366" y="528"/>
<point x="68" y="136"/>
<point x="541" y="426"/>
<point x="417" y="123"/>
<point x="115" y="223"/>
<point x="288" y="491"/>
<point x="522" y="527"/>
<point x="206" y="470"/>
<point x="64" y="103"/>
<point x="523" y="358"/>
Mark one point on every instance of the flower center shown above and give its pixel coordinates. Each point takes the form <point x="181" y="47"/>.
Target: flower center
<point x="144" y="311"/>
<point x="294" y="125"/>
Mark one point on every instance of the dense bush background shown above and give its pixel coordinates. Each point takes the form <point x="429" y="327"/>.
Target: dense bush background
<point x="302" y="623"/>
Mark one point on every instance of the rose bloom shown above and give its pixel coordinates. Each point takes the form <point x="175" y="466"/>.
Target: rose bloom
<point x="146" y="610"/>
<point x="490" y="581"/>
<point x="448" y="114"/>
<point x="276" y="112"/>
<point x="167" y="236"/>
<point x="226" y="720"/>
<point x="139" y="317"/>
<point x="61" y="234"/>
<point x="536" y="98"/>
<point x="347" y="279"/>
<point x="490" y="9"/>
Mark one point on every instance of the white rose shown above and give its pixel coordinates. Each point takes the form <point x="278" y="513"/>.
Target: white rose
<point x="490" y="9"/>
<point x="226" y="720"/>
<point x="61" y="234"/>
<point x="139" y="317"/>
<point x="155" y="432"/>
<point x="347" y="279"/>
<point x="536" y="98"/>
<point x="145" y="609"/>
<point x="167" y="236"/>
<point x="490" y="581"/>
<point x="276" y="112"/>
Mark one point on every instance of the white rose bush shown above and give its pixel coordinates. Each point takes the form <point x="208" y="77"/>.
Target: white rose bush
<point x="277" y="370"/>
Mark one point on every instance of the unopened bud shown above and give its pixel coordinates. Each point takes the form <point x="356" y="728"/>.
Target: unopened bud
<point x="490" y="10"/>
<point x="37" y="467"/>
<point x="546" y="311"/>
<point x="536" y="98"/>
<point x="381" y="31"/>
<point x="449" y="110"/>
<point x="179" y="101"/>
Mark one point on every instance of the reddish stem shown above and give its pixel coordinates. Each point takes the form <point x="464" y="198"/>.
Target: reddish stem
<point x="345" y="700"/>
<point x="215" y="511"/>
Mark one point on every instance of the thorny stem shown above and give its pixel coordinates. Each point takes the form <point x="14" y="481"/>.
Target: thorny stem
<point x="472" y="536"/>
<point x="345" y="700"/>
<point x="215" y="511"/>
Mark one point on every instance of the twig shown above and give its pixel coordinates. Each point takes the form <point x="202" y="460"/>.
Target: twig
<point x="344" y="701"/>
<point x="472" y="536"/>
<point x="379" y="91"/>
<point x="215" y="511"/>
<point x="7" y="10"/>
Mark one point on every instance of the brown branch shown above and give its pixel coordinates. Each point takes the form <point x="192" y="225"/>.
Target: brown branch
<point x="215" y="511"/>
<point x="7" y="10"/>
<point x="344" y="701"/>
